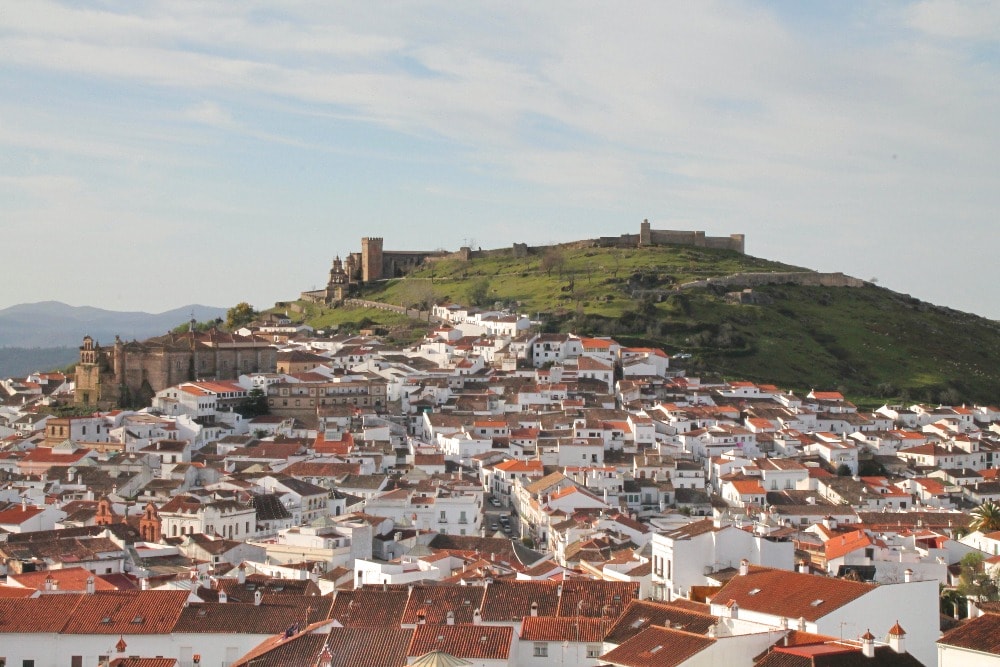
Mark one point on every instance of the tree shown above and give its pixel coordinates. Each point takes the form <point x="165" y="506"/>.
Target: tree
<point x="986" y="517"/>
<point x="255" y="404"/>
<point x="975" y="581"/>
<point x="240" y="315"/>
<point x="553" y="259"/>
<point x="479" y="293"/>
<point x="417" y="293"/>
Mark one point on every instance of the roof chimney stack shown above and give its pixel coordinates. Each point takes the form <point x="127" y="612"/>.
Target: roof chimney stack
<point x="90" y="585"/>
<point x="897" y="638"/>
<point x="868" y="644"/>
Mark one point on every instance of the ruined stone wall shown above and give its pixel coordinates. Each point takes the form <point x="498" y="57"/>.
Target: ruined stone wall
<point x="806" y="278"/>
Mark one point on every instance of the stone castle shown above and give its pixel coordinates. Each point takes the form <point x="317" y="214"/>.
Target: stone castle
<point x="375" y="263"/>
<point x="131" y="373"/>
<point x="657" y="237"/>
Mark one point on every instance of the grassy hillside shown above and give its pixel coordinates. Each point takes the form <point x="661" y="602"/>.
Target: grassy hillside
<point x="871" y="343"/>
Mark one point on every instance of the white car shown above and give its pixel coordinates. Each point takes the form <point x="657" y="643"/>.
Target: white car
<point x="495" y="502"/>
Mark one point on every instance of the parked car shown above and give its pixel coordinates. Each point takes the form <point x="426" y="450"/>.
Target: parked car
<point x="494" y="501"/>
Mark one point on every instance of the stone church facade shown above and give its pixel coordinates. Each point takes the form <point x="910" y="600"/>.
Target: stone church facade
<point x="130" y="373"/>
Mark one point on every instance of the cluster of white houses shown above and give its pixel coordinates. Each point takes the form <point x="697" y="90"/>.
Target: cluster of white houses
<point x="497" y="495"/>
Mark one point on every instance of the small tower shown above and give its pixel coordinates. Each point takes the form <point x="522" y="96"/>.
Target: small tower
<point x="150" y="525"/>
<point x="645" y="237"/>
<point x="104" y="515"/>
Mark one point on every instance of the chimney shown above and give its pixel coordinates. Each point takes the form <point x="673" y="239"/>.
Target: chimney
<point x="868" y="644"/>
<point x="896" y="638"/>
<point x="907" y="575"/>
<point x="257" y="598"/>
<point x="90" y="585"/>
<point x="55" y="585"/>
<point x="144" y="583"/>
<point x="241" y="574"/>
<point x="24" y="504"/>
<point x="803" y="567"/>
<point x="48" y="582"/>
<point x="477" y="617"/>
<point x="534" y="609"/>
<point x="450" y="618"/>
<point x="421" y="618"/>
<point x="744" y="567"/>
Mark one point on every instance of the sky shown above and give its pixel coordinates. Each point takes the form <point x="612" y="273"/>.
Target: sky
<point x="159" y="153"/>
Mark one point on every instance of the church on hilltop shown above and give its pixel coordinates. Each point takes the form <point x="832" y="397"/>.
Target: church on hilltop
<point x="372" y="264"/>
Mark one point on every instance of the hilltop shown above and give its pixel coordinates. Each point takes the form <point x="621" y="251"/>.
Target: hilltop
<point x="807" y="330"/>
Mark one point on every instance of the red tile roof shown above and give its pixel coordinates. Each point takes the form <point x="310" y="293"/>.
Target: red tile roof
<point x="658" y="647"/>
<point x="789" y="594"/>
<point x="469" y="642"/>
<point x="44" y="614"/>
<point x="552" y="629"/>
<point x="369" y="607"/>
<point x="432" y="603"/>
<point x="126" y="613"/>
<point x="509" y="600"/>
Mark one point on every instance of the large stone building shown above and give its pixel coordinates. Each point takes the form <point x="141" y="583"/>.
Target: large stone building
<point x="131" y="373"/>
<point x="371" y="264"/>
<point x="648" y="236"/>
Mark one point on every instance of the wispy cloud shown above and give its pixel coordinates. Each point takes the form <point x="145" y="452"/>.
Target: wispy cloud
<point x="741" y="114"/>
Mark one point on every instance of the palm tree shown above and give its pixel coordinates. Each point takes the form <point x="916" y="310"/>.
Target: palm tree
<point x="986" y="517"/>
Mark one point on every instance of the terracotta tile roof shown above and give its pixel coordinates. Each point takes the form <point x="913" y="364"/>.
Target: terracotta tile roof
<point x="126" y="613"/>
<point x="552" y="629"/>
<point x="368" y="647"/>
<point x="68" y="579"/>
<point x="840" y="545"/>
<point x="641" y="614"/>
<point x="369" y="607"/>
<point x="143" y="662"/>
<point x="596" y="599"/>
<point x="658" y="647"/>
<point x="510" y="600"/>
<point x="263" y="619"/>
<point x="835" y="655"/>
<point x="980" y="634"/>
<point x="469" y="642"/>
<point x="44" y="614"/>
<point x="16" y="592"/>
<point x="434" y="602"/>
<point x="283" y="651"/>
<point x="789" y="594"/>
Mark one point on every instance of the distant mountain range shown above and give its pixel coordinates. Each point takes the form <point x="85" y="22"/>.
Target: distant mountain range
<point x="55" y="324"/>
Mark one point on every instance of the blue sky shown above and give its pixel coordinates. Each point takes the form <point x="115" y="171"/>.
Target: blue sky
<point x="154" y="154"/>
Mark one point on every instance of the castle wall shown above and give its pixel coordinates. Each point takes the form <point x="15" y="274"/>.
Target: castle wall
<point x="806" y="278"/>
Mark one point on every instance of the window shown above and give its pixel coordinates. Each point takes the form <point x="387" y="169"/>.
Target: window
<point x="76" y="661"/>
<point x="541" y="650"/>
<point x="593" y="650"/>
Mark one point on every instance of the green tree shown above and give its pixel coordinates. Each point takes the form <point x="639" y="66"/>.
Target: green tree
<point x="255" y="404"/>
<point x="240" y="315"/>
<point x="975" y="581"/>
<point x="986" y="517"/>
<point x="479" y="293"/>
